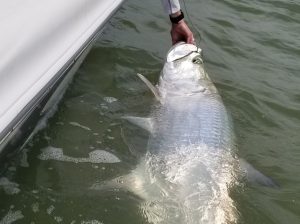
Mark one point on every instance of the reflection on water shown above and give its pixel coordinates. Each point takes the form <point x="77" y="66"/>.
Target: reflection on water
<point x="251" y="52"/>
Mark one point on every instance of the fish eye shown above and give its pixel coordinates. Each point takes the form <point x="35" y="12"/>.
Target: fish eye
<point x="197" y="60"/>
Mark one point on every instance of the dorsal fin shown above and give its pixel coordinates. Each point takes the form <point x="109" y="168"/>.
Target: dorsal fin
<point x="150" y="86"/>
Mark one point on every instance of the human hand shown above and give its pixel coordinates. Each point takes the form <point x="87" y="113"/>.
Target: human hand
<point x="181" y="32"/>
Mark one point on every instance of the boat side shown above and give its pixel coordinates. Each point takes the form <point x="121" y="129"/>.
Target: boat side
<point x="39" y="60"/>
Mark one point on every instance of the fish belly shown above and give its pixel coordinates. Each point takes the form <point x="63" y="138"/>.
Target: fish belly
<point x="190" y="158"/>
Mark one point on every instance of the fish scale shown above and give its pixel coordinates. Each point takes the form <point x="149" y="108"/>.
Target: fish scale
<point x="205" y="122"/>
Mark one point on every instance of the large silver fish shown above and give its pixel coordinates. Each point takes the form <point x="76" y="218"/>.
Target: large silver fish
<point x="188" y="170"/>
<point x="189" y="166"/>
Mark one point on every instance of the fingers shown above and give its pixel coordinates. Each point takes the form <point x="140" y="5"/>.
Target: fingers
<point x="190" y="39"/>
<point x="189" y="36"/>
<point x="181" y="32"/>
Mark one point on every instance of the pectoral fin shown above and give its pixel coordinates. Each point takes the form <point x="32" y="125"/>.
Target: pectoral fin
<point x="145" y="123"/>
<point x="253" y="175"/>
<point x="137" y="182"/>
<point x="122" y="183"/>
<point x="150" y="85"/>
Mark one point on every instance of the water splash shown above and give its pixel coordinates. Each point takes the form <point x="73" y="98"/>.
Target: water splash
<point x="35" y="207"/>
<point x="50" y="209"/>
<point x="9" y="187"/>
<point x="96" y="156"/>
<point x="11" y="217"/>
<point x="91" y="222"/>
<point x="109" y="99"/>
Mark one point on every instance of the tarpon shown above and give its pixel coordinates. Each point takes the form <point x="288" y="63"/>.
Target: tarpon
<point x="190" y="165"/>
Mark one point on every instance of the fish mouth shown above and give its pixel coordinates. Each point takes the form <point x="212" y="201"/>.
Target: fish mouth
<point x="181" y="50"/>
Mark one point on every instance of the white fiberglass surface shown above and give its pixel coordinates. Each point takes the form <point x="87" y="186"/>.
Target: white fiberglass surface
<point x="37" y="39"/>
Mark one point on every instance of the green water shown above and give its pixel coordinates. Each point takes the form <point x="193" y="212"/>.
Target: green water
<point x="251" y="52"/>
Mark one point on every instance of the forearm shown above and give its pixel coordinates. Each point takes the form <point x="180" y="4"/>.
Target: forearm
<point x="171" y="6"/>
<point x="180" y="31"/>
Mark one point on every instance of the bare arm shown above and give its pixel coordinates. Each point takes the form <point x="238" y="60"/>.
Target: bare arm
<point x="180" y="30"/>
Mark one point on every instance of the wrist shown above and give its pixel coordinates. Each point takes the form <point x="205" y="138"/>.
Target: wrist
<point x="176" y="17"/>
<point x="178" y="24"/>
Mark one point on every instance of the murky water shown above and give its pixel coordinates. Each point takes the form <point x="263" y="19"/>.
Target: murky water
<point x="251" y="52"/>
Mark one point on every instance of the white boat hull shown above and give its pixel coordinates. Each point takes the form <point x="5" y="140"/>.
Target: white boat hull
<point x="42" y="43"/>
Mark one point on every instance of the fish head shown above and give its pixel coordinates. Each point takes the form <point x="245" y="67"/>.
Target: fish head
<point x="183" y="72"/>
